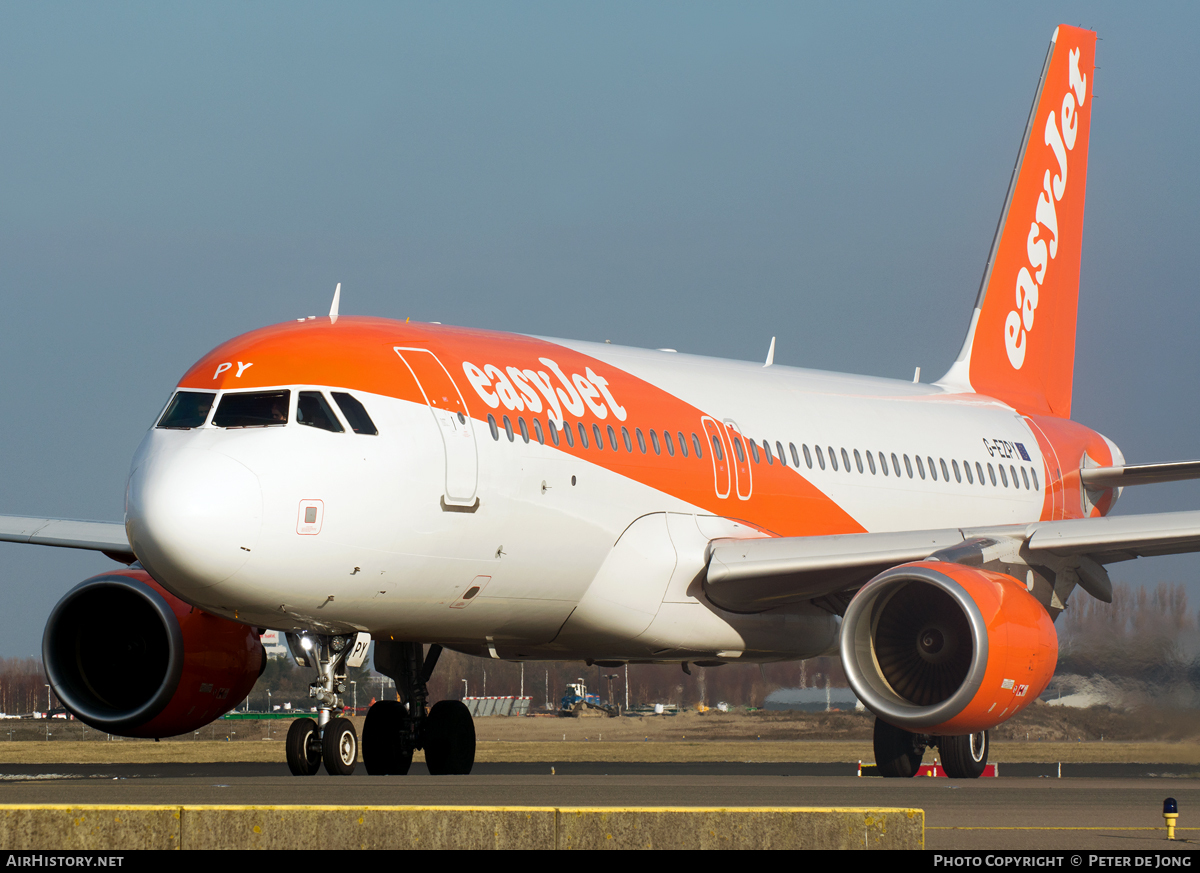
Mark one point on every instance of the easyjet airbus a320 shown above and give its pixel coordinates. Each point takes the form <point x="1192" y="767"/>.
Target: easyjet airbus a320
<point x="351" y="479"/>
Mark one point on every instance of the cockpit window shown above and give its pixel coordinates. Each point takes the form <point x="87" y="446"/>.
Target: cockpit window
<point x="260" y="409"/>
<point x="311" y="409"/>
<point x="187" y="409"/>
<point x="355" y="414"/>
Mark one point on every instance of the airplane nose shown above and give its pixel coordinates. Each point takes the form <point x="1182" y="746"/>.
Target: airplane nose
<point x="193" y="517"/>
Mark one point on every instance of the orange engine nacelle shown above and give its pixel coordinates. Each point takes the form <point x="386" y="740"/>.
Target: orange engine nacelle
<point x="946" y="649"/>
<point x="129" y="658"/>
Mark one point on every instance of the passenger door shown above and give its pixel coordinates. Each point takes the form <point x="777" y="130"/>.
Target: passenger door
<point x="453" y="421"/>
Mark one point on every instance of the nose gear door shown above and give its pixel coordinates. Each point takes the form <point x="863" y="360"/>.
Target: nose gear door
<point x="453" y="421"/>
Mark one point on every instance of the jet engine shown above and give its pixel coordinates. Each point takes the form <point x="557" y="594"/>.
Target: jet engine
<point x="129" y="658"/>
<point x="945" y="649"/>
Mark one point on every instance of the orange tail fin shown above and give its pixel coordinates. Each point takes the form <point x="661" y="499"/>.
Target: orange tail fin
<point x="1020" y="347"/>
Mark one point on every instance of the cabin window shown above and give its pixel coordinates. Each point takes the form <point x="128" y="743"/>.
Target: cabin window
<point x="508" y="429"/>
<point x="583" y="442"/>
<point x="186" y="410"/>
<point x="845" y="460"/>
<point x="1025" y="478"/>
<point x="1013" y="471"/>
<point x="754" y="450"/>
<point x="1033" y="473"/>
<point x="957" y="474"/>
<point x="641" y="440"/>
<point x="682" y="443"/>
<point x="654" y="442"/>
<point x="612" y="437"/>
<point x="883" y="464"/>
<point x="696" y="446"/>
<point x="260" y="409"/>
<point x="796" y="457"/>
<point x="1003" y="475"/>
<point x="628" y="442"/>
<point x="907" y="466"/>
<point x="767" y="452"/>
<point x="738" y="450"/>
<point x="492" y="427"/>
<point x="356" y="414"/>
<point x="821" y="459"/>
<point x="871" y="461"/>
<point x="967" y="470"/>
<point x="537" y="432"/>
<point x="945" y="470"/>
<point x="858" y="460"/>
<point x="670" y="443"/>
<point x="779" y="452"/>
<point x="992" y="475"/>
<point x="807" y="456"/>
<point x="313" y="410"/>
<point x="598" y="438"/>
<point x="979" y="473"/>
<point x="920" y="466"/>
<point x="720" y="455"/>
<point x="553" y="430"/>
<point x="569" y="434"/>
<point x="524" y="429"/>
<point x="932" y="468"/>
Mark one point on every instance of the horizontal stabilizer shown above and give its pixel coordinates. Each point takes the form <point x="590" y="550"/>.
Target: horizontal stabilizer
<point x="1139" y="474"/>
<point x="68" y="533"/>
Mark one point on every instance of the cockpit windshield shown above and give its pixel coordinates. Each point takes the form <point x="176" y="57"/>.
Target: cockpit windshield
<point x="258" y="409"/>
<point x="186" y="410"/>
<point x="313" y="410"/>
<point x="355" y="414"/>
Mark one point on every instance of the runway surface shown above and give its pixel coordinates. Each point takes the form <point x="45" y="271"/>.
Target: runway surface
<point x="1095" y="806"/>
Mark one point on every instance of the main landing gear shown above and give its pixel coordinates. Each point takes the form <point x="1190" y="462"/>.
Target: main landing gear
<point x="899" y="753"/>
<point x="328" y="739"/>
<point x="394" y="730"/>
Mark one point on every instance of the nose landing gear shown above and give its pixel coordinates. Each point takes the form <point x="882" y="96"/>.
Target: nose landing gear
<point x="330" y="739"/>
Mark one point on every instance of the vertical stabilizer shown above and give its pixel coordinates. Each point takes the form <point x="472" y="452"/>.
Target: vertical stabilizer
<point x="1020" y="347"/>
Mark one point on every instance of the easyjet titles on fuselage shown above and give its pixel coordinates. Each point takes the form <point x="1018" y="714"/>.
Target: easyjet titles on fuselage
<point x="519" y="390"/>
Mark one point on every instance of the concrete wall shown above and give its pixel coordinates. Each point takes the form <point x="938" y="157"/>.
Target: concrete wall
<point x="63" y="828"/>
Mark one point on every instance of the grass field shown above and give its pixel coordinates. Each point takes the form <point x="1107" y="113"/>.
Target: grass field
<point x="208" y="751"/>
<point x="1053" y="735"/>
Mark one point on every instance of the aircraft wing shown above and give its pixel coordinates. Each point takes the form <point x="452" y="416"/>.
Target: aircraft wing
<point x="758" y="574"/>
<point x="68" y="533"/>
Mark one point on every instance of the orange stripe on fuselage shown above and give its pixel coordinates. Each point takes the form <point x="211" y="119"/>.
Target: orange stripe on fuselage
<point x="358" y="353"/>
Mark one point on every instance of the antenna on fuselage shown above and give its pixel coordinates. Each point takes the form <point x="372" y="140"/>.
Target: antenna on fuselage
<point x="333" y="307"/>
<point x="770" y="354"/>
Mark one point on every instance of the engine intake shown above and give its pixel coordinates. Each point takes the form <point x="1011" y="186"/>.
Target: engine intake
<point x="941" y="648"/>
<point x="129" y="658"/>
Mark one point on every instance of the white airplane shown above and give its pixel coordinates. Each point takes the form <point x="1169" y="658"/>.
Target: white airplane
<point x="346" y="479"/>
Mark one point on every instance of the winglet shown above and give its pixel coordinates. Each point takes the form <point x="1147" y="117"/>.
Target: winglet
<point x="333" y="308"/>
<point x="770" y="354"/>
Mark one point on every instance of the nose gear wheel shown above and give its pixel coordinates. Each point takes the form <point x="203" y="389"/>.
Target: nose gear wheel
<point x="339" y="747"/>
<point x="303" y="747"/>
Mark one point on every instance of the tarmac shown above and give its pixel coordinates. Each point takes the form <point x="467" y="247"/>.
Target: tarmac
<point x="1092" y="807"/>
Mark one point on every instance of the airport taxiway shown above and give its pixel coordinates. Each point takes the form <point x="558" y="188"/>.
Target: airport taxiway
<point x="1101" y="807"/>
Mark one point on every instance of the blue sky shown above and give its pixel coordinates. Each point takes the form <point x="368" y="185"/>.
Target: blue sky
<point x="698" y="176"/>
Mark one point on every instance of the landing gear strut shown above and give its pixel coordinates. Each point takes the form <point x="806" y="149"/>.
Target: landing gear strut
<point x="330" y="739"/>
<point x="394" y="730"/>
